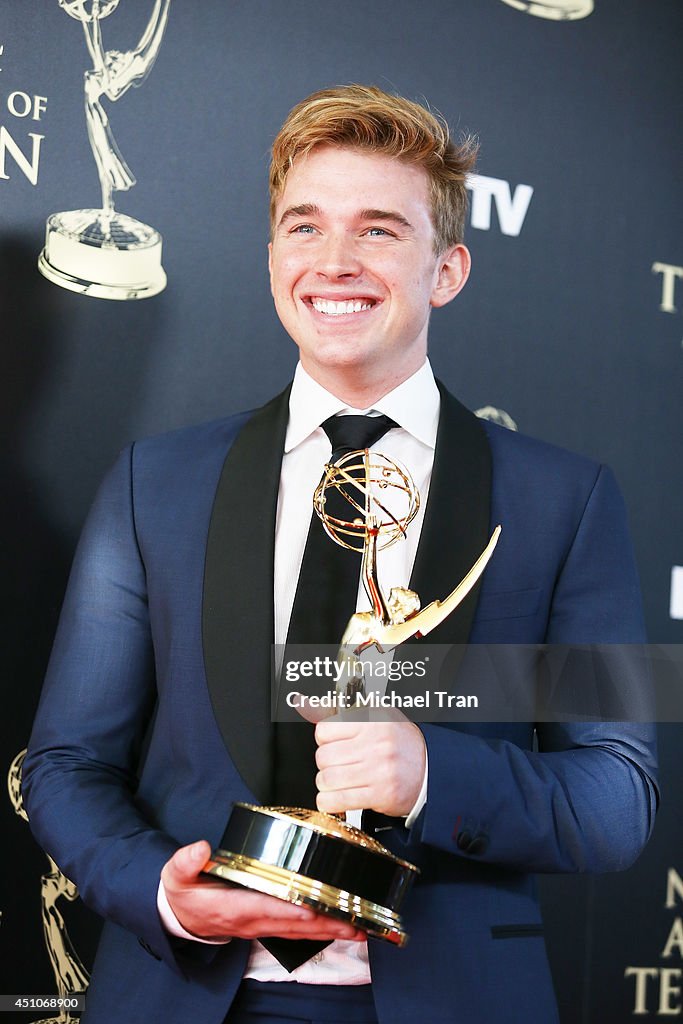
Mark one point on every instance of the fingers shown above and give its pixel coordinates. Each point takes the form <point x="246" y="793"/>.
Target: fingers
<point x="185" y="865"/>
<point x="211" y="909"/>
<point x="343" y="777"/>
<point x="256" y="915"/>
<point x="378" y="766"/>
<point x="352" y="787"/>
<point x="338" y="754"/>
<point x="332" y="729"/>
<point x="340" y="801"/>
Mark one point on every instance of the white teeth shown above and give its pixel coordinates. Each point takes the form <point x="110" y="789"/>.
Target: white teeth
<point x="331" y="308"/>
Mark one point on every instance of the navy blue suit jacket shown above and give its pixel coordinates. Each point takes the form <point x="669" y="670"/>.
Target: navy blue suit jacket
<point x="153" y="709"/>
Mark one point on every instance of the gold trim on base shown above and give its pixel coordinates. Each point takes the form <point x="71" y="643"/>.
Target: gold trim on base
<point x="326" y="825"/>
<point x="380" y="922"/>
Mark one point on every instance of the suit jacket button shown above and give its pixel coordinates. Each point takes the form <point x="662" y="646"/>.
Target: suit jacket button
<point x="463" y="841"/>
<point x="479" y="845"/>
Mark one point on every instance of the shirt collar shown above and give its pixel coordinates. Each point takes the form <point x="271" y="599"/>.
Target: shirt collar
<point x="414" y="405"/>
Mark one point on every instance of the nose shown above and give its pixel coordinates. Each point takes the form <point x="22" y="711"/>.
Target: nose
<point x="337" y="257"/>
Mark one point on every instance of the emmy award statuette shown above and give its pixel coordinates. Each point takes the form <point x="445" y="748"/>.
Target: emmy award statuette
<point x="102" y="252"/>
<point x="307" y="856"/>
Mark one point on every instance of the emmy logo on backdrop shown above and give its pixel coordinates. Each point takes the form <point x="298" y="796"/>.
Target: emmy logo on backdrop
<point x="554" y="10"/>
<point x="70" y="975"/>
<point x="102" y="252"/>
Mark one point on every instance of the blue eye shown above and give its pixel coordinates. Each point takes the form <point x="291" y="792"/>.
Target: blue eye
<point x="377" y="231"/>
<point x="303" y="229"/>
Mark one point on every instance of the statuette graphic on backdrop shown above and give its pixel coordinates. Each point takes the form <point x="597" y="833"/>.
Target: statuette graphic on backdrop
<point x="102" y="252"/>
<point x="70" y="975"/>
<point x="554" y="10"/>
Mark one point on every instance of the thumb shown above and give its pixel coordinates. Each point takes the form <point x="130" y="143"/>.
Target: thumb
<point x="186" y="863"/>
<point x="309" y="714"/>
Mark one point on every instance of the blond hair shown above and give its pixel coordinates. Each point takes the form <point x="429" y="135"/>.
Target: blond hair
<point x="365" y="117"/>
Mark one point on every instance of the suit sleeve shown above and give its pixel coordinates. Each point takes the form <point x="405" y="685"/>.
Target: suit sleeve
<point x="80" y="771"/>
<point x="585" y="800"/>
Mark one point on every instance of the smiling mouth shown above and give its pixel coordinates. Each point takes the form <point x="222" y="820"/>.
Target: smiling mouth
<point x="332" y="308"/>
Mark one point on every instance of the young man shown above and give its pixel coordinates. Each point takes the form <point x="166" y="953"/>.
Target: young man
<point x="187" y="571"/>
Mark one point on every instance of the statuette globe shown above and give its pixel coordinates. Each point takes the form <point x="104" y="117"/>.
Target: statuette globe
<point x="378" y="493"/>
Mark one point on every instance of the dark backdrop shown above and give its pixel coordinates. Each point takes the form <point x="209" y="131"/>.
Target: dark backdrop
<point x="565" y="323"/>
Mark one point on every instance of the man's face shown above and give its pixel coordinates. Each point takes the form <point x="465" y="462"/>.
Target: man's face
<point x="352" y="266"/>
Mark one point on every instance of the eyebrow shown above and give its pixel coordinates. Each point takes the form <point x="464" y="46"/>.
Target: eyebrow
<point x="392" y="215"/>
<point x="304" y="210"/>
<point x="312" y="210"/>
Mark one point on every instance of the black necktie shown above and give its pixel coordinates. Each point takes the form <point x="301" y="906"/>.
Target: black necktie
<point x="328" y="581"/>
<point x="324" y="602"/>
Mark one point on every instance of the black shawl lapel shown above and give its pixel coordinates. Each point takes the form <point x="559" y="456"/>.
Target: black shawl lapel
<point x="456" y="524"/>
<point x="237" y="613"/>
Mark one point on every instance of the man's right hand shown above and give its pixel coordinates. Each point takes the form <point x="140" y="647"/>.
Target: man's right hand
<point x="215" y="910"/>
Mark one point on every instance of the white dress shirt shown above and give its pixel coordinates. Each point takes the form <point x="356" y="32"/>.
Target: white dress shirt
<point x="414" y="406"/>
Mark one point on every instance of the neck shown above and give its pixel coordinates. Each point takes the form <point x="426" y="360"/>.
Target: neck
<point x="359" y="390"/>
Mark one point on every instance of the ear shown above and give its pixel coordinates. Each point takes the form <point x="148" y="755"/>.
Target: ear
<point x="453" y="270"/>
